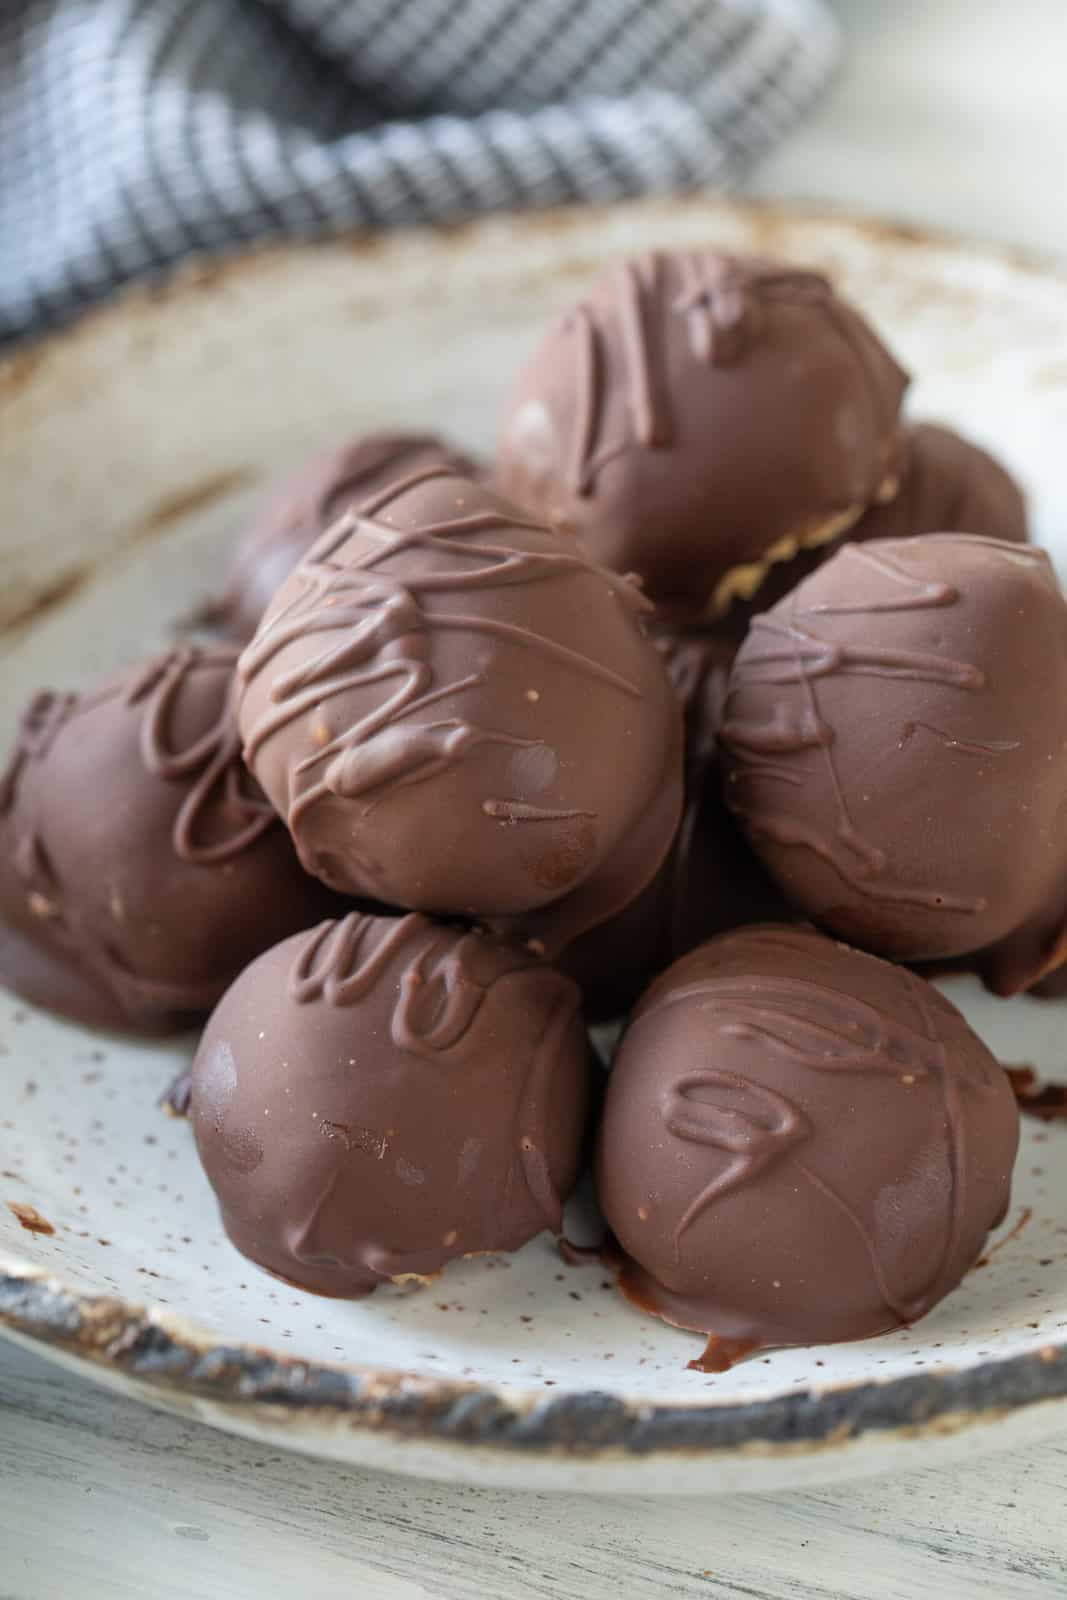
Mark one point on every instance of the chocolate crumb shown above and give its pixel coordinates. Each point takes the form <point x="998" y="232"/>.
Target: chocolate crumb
<point x="1046" y="1101"/>
<point x="176" y="1099"/>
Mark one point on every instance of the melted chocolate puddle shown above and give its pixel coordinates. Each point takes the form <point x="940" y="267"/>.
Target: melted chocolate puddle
<point x="1046" y="1101"/>
<point x="1024" y="1217"/>
<point x="720" y="1354"/>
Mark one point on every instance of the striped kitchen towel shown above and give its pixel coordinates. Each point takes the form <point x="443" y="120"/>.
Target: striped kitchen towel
<point x="136" y="132"/>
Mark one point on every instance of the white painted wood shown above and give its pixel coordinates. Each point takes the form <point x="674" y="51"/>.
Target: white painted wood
<point x="947" y="113"/>
<point x="101" y="1499"/>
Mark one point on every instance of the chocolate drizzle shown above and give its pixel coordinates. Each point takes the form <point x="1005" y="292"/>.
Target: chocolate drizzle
<point x="859" y="1142"/>
<point x="384" y="627"/>
<point x="82" y="928"/>
<point x="885" y="751"/>
<point x="784" y="650"/>
<point x="905" y="591"/>
<point x="646" y="392"/>
<point x="821" y="1030"/>
<point x="399" y="455"/>
<point x="219" y="785"/>
<point x="218" y="801"/>
<point x="521" y="811"/>
<point x="38" y="726"/>
<point x="754" y="1124"/>
<point x="437" y="1110"/>
<point x="588" y="380"/>
<point x="700" y="418"/>
<point x="722" y="298"/>
<point x="307" y="503"/>
<point x="721" y="301"/>
<point x="967" y="747"/>
<point x="390" y="656"/>
<point x="437" y="996"/>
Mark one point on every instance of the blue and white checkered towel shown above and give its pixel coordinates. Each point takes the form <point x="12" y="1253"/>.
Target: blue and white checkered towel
<point x="134" y="132"/>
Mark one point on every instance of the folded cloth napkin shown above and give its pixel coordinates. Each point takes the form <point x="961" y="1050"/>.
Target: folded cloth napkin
<point x="136" y="132"/>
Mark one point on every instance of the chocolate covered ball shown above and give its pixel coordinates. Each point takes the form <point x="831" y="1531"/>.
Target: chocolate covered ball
<point x="377" y="1097"/>
<point x="1053" y="986"/>
<point x="140" y="865"/>
<point x="800" y="1143"/>
<point x="698" y="660"/>
<point x="700" y="416"/>
<point x="947" y="485"/>
<point x="308" y="502"/>
<point x="458" y="712"/>
<point x="895" y="744"/>
<point x="711" y="880"/>
<point x="710" y="883"/>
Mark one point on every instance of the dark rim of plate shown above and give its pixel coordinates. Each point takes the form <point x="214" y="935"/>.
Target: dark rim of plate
<point x="114" y="1334"/>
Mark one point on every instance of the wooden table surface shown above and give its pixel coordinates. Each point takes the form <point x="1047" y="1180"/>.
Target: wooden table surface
<point x="101" y="1499"/>
<point x="946" y="113"/>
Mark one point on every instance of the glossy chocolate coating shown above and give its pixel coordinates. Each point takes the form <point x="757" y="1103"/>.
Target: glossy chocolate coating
<point x="306" y="504"/>
<point x="378" y="1097"/>
<point x="698" y="660"/>
<point x="697" y="416"/>
<point x="140" y="866"/>
<point x="800" y="1142"/>
<point x="459" y="713"/>
<point x="717" y="882"/>
<point x="1053" y="986"/>
<point x="896" y="748"/>
<point x="948" y="485"/>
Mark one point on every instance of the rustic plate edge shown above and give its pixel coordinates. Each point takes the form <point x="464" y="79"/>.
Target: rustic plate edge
<point x="207" y="270"/>
<point x="148" y="1351"/>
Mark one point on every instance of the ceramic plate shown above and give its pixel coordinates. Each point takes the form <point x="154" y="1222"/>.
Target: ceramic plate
<point x="131" y="450"/>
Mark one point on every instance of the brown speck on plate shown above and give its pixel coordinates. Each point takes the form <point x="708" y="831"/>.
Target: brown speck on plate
<point x="30" y="1218"/>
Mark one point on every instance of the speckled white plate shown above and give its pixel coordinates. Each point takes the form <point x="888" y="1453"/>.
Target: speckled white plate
<point x="131" y="449"/>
